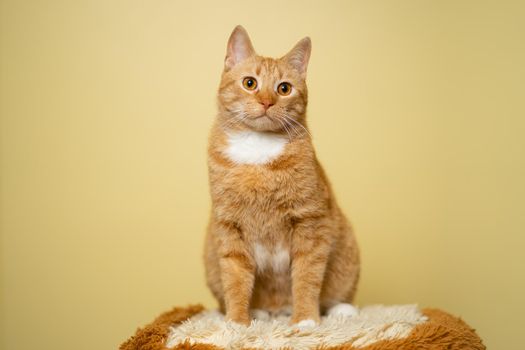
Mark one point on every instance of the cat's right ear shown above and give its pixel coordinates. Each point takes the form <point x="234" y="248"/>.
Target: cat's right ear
<point x="239" y="48"/>
<point x="299" y="56"/>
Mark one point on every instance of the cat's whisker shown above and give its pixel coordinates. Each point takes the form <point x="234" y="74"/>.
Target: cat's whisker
<point x="285" y="128"/>
<point x="300" y="129"/>
<point x="298" y="124"/>
<point x="237" y="118"/>
<point x="282" y="124"/>
<point x="289" y="125"/>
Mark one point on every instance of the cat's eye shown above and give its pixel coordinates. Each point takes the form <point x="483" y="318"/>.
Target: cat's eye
<point x="249" y="83"/>
<point x="284" y="89"/>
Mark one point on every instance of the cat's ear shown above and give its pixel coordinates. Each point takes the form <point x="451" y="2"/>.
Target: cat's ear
<point x="299" y="56"/>
<point x="239" y="48"/>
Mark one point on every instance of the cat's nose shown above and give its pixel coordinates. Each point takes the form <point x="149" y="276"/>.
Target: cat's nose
<point x="267" y="103"/>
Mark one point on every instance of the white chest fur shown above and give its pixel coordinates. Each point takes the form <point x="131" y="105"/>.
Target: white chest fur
<point x="252" y="147"/>
<point x="278" y="261"/>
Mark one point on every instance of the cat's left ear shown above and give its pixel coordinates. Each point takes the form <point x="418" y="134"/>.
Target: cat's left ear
<point x="239" y="48"/>
<point x="299" y="56"/>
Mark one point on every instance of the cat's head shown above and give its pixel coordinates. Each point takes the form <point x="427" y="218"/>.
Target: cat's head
<point x="261" y="93"/>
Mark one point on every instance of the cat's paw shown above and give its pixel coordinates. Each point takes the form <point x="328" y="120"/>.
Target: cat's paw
<point x="306" y="324"/>
<point x="244" y="320"/>
<point x="343" y="309"/>
<point x="259" y="314"/>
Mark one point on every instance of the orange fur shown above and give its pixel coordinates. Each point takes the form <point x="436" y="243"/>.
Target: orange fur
<point x="284" y="206"/>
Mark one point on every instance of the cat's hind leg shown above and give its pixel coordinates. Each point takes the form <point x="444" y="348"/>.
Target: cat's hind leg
<point x="341" y="277"/>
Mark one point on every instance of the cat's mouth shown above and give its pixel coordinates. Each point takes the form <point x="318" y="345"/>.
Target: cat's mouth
<point x="262" y="115"/>
<point x="262" y="122"/>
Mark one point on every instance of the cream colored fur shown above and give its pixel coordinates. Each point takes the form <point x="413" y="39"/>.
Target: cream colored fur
<point x="371" y="324"/>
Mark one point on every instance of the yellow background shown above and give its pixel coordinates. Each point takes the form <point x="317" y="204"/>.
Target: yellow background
<point x="417" y="111"/>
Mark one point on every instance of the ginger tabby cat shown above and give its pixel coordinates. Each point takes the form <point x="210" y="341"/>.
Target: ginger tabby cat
<point x="277" y="239"/>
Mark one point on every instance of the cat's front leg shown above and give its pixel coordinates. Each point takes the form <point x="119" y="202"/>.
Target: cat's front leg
<point x="311" y="244"/>
<point x="237" y="273"/>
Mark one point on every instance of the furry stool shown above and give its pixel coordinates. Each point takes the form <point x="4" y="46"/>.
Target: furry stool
<point x="372" y="328"/>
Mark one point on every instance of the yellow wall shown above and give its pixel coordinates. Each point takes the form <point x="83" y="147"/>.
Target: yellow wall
<point x="417" y="111"/>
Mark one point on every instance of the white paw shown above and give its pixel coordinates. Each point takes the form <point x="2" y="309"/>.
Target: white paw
<point x="343" y="309"/>
<point x="259" y="314"/>
<point x="306" y="324"/>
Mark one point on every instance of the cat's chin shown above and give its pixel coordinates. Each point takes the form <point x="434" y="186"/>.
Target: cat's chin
<point x="262" y="123"/>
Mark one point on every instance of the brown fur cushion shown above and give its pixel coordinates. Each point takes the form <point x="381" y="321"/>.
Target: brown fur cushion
<point x="441" y="331"/>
